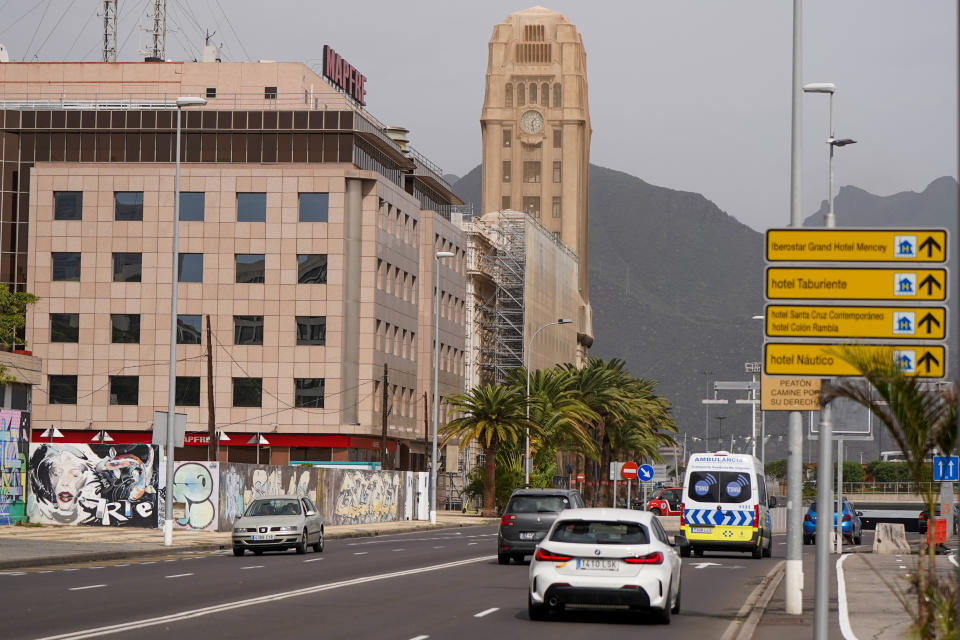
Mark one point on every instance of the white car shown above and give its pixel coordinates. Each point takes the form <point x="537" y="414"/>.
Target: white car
<point x="603" y="558"/>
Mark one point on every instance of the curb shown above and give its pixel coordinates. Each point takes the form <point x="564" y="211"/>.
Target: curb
<point x="748" y="618"/>
<point x="98" y="556"/>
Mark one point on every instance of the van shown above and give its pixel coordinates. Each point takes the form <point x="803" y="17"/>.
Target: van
<point x="725" y="505"/>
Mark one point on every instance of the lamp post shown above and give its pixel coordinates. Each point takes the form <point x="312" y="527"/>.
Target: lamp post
<point x="436" y="380"/>
<point x="526" y="450"/>
<point x="171" y="393"/>
<point x="708" y="402"/>
<point x="763" y="415"/>
<point x="720" y="420"/>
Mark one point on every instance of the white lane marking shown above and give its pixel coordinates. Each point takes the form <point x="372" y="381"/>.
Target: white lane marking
<point x="151" y="562"/>
<point x="419" y="638"/>
<point x="44" y="571"/>
<point x="179" y="575"/>
<point x="12" y="573"/>
<point x="89" y="586"/>
<point x="439" y="547"/>
<point x="121" y="565"/>
<point x="486" y="612"/>
<point x="253" y="566"/>
<point x="173" y="560"/>
<point x="94" y="567"/>
<point x="446" y="537"/>
<point x="69" y="569"/>
<point x="953" y="558"/>
<point x="398" y="549"/>
<point x="842" y="613"/>
<point x="313" y="559"/>
<point x="249" y="602"/>
<point x="360" y="553"/>
<point x="470" y="543"/>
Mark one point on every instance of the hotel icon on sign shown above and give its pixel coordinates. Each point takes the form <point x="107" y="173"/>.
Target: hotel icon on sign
<point x="905" y="284"/>
<point x="904" y="323"/>
<point x="906" y="360"/>
<point x="905" y="247"/>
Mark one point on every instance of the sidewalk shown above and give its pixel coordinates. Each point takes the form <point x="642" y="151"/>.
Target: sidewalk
<point x="49" y="545"/>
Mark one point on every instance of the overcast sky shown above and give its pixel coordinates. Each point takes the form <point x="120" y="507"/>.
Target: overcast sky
<point x="686" y="94"/>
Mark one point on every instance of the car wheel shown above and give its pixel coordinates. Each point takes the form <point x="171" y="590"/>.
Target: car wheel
<point x="238" y="551"/>
<point x="318" y="545"/>
<point x="503" y="558"/>
<point x="757" y="553"/>
<point x="518" y="558"/>
<point x="858" y="539"/>
<point x="656" y="511"/>
<point x="698" y="553"/>
<point x="676" y="603"/>
<point x="685" y="551"/>
<point x="534" y="610"/>
<point x="768" y="550"/>
<point x="258" y="552"/>
<point x="662" y="616"/>
<point x="302" y="545"/>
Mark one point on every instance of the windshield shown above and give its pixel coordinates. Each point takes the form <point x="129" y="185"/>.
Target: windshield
<point x="600" y="532"/>
<point x="538" y="504"/>
<point x="719" y="486"/>
<point x="274" y="507"/>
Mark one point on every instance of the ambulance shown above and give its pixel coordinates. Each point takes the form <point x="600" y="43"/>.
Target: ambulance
<point x="725" y="506"/>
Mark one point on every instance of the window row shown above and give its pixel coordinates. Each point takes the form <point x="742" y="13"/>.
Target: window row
<point x="250" y="268"/>
<point x="395" y="340"/>
<point x="396" y="281"/>
<point x="251" y="207"/>
<point x="524" y="89"/>
<point x="451" y="360"/>
<point x="247" y="392"/>
<point x="557" y="138"/>
<point x="532" y="172"/>
<point x="247" y="330"/>
<point x="452" y="308"/>
<point x="402" y="401"/>
<point x="397" y="223"/>
<point x="531" y="204"/>
<point x="458" y="261"/>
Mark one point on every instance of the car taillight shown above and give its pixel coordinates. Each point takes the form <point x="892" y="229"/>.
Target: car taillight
<point x="507" y="520"/>
<point x="548" y="556"/>
<point x="756" y="516"/>
<point x="846" y="517"/>
<point x="683" y="519"/>
<point x="651" y="558"/>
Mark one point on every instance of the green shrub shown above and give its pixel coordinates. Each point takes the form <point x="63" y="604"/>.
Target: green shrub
<point x="776" y="469"/>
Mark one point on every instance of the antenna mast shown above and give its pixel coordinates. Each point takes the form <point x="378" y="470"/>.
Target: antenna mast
<point x="159" y="33"/>
<point x="109" y="30"/>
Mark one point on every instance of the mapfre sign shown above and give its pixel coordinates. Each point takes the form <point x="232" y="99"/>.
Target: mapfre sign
<point x="344" y="75"/>
<point x="790" y="394"/>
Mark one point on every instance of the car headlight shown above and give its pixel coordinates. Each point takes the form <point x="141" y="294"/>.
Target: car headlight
<point x="286" y="529"/>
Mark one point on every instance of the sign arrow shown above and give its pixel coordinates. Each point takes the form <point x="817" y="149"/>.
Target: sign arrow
<point x="929" y="320"/>
<point x="929" y="244"/>
<point x="704" y="565"/>
<point x="929" y="282"/>
<point x="926" y="359"/>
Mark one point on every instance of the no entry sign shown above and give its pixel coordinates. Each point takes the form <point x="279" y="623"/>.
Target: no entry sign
<point x="629" y="470"/>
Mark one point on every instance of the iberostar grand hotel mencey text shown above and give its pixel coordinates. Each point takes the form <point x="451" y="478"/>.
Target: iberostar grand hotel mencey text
<point x="307" y="235"/>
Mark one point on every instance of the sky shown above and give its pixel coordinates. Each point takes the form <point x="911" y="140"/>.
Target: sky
<point x="686" y="94"/>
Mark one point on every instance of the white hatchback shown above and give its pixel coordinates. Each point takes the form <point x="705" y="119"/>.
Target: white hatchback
<point x="605" y="558"/>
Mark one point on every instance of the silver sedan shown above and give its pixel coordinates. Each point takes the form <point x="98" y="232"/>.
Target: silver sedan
<point x="278" y="523"/>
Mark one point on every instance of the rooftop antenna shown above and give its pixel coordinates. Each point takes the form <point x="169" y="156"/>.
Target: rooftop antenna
<point x="109" y="30"/>
<point x="158" y="52"/>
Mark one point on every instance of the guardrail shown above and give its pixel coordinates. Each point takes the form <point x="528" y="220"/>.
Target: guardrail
<point x="892" y="488"/>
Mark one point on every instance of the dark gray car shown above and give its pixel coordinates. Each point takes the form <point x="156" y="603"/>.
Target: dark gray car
<point x="528" y="516"/>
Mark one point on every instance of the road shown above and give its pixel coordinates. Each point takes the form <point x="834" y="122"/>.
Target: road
<point x="438" y="584"/>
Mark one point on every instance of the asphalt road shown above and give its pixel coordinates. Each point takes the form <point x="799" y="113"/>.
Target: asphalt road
<point x="438" y="584"/>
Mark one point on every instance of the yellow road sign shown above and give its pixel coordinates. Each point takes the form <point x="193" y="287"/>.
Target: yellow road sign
<point x="816" y="321"/>
<point x="868" y="283"/>
<point x="857" y="245"/>
<point x="789" y="394"/>
<point x="802" y="359"/>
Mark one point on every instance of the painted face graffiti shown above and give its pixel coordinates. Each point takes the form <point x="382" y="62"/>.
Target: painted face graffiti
<point x="68" y="474"/>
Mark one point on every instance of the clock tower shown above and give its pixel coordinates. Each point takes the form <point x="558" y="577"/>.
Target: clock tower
<point x="536" y="131"/>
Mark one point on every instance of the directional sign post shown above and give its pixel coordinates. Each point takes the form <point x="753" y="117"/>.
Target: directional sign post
<point x="818" y="321"/>
<point x="946" y="468"/>
<point x="865" y="283"/>
<point x="857" y="245"/>
<point x="645" y="472"/>
<point x="823" y="359"/>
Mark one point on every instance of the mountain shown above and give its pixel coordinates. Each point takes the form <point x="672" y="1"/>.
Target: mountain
<point x="675" y="282"/>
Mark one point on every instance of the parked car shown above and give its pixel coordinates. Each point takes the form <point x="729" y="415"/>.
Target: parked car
<point x="605" y="558"/>
<point x="923" y="518"/>
<point x="852" y="527"/>
<point x="277" y="524"/>
<point x="666" y="502"/>
<point x="528" y="516"/>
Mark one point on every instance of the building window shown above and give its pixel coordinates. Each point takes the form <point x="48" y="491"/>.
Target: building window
<point x="312" y="330"/>
<point x="66" y="266"/>
<point x="556" y="235"/>
<point x="67" y="205"/>
<point x="531" y="205"/>
<point x="309" y="392"/>
<point x="187" y="391"/>
<point x="190" y="267"/>
<point x="504" y="203"/>
<point x="62" y="389"/>
<point x="211" y="92"/>
<point x="251" y="207"/>
<point x="127" y="267"/>
<point x="312" y="268"/>
<point x="533" y="93"/>
<point x="531" y="171"/>
<point x="507" y="137"/>
<point x="189" y="329"/>
<point x="250" y="268"/>
<point x="269" y="93"/>
<point x="247" y="392"/>
<point x="124" y="390"/>
<point x="191" y="206"/>
<point x="506" y="170"/>
<point x="556" y="206"/>
<point x="313" y="207"/>
<point x="545" y="94"/>
<point x="64" y="327"/>
<point x="557" y="95"/>
<point x="125" y="327"/>
<point x="248" y="330"/>
<point x="558" y="138"/>
<point x="128" y="206"/>
<point x="508" y="95"/>
<point x="557" y="171"/>
<point x="521" y="94"/>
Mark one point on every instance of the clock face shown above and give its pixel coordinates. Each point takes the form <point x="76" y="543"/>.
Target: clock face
<point x="531" y="122"/>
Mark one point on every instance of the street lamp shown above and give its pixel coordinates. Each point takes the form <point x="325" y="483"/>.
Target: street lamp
<point x="526" y="451"/>
<point x="720" y="420"/>
<point x="829" y="88"/>
<point x="436" y="380"/>
<point x="763" y="415"/>
<point x="180" y="103"/>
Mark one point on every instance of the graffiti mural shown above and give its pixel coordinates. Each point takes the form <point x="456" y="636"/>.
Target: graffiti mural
<point x="99" y="485"/>
<point x="359" y="496"/>
<point x="240" y="484"/>
<point x="14" y="445"/>
<point x="196" y="485"/>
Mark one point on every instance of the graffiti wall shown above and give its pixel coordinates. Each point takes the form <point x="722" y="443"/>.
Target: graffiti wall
<point x="97" y="485"/>
<point x="197" y="486"/>
<point x="353" y="496"/>
<point x="240" y="484"/>
<point x="14" y="448"/>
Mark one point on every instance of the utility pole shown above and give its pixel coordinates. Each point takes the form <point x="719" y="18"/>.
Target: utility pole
<point x="211" y="405"/>
<point x="384" y="460"/>
<point x="426" y="429"/>
<point x="109" y="30"/>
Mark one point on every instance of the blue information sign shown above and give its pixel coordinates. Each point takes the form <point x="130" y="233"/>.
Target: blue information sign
<point x="645" y="473"/>
<point x="945" y="468"/>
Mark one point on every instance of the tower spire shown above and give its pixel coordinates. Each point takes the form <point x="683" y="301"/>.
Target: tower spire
<point x="109" y="30"/>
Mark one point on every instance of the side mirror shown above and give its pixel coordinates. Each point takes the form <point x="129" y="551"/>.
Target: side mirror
<point x="311" y="513"/>
<point x="772" y="501"/>
<point x="859" y="513"/>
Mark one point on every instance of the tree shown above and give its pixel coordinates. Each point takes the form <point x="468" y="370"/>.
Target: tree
<point x="491" y="415"/>
<point x="776" y="469"/>
<point x="13" y="311"/>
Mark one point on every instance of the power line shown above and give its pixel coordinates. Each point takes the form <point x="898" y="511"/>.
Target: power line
<point x="15" y="22"/>
<point x="37" y="30"/>
<point x="235" y="35"/>
<point x="79" y="34"/>
<point x="62" y="16"/>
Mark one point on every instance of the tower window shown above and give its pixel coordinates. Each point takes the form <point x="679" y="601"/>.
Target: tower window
<point x="211" y="92"/>
<point x="506" y="170"/>
<point x="508" y="95"/>
<point x="545" y="94"/>
<point x="556" y="206"/>
<point x="557" y="96"/>
<point x="531" y="205"/>
<point x="521" y="94"/>
<point x="504" y="203"/>
<point x="531" y="171"/>
<point x="533" y="93"/>
<point x="507" y="137"/>
<point x="557" y="175"/>
<point x="557" y="138"/>
<point x="269" y="93"/>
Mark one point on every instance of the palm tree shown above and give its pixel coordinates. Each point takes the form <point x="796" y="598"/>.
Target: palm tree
<point x="491" y="415"/>
<point x="920" y="418"/>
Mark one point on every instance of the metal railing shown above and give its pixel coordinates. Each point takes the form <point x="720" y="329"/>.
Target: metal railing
<point x="891" y="488"/>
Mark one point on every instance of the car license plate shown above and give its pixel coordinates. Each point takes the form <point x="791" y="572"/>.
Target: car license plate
<point x="265" y="536"/>
<point x="597" y="564"/>
<point x="527" y="535"/>
<point x="707" y="530"/>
